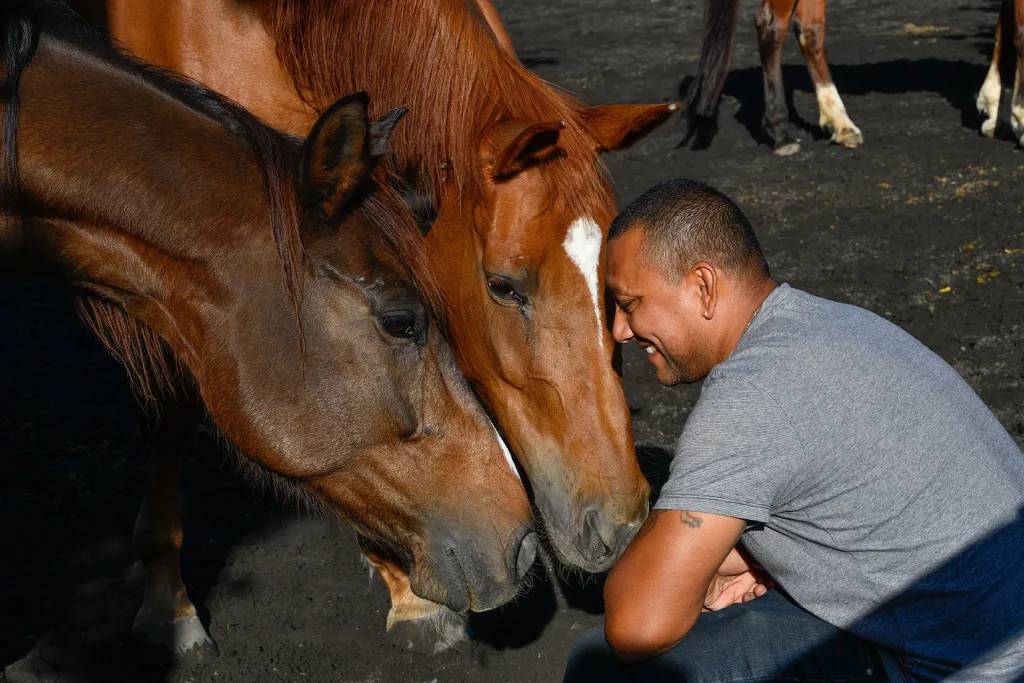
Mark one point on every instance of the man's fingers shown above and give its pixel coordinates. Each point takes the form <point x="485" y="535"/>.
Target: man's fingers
<point x="759" y="590"/>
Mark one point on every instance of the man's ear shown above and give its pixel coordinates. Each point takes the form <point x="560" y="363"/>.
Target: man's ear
<point x="617" y="126"/>
<point x="508" y="147"/>
<point x="335" y="158"/>
<point x="707" y="282"/>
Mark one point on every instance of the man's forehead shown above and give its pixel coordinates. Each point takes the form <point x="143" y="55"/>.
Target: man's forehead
<point x="625" y="266"/>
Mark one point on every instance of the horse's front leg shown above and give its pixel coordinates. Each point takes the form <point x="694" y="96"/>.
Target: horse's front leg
<point x="992" y="88"/>
<point x="416" y="623"/>
<point x="772" y="26"/>
<point x="832" y="116"/>
<point x="167" y="618"/>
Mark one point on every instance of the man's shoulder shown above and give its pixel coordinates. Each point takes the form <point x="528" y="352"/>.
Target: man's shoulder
<point x="805" y="337"/>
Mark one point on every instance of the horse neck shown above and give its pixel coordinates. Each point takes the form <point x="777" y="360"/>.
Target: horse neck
<point x="130" y="193"/>
<point x="220" y="43"/>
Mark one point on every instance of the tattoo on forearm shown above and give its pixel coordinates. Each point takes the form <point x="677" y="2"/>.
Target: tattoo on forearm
<point x="690" y="520"/>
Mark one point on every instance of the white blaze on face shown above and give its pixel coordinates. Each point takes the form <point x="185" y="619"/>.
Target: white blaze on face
<point x="506" y="453"/>
<point x="583" y="244"/>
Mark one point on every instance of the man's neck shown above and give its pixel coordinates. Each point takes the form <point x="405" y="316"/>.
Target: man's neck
<point x="747" y="307"/>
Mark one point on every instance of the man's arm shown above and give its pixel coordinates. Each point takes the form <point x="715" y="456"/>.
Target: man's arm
<point x="656" y="591"/>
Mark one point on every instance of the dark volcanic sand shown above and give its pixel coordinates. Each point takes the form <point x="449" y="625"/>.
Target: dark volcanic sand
<point x="925" y="204"/>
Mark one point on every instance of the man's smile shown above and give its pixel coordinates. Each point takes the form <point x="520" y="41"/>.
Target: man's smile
<point x="647" y="346"/>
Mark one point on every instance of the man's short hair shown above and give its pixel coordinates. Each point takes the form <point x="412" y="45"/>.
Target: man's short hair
<point x="684" y="222"/>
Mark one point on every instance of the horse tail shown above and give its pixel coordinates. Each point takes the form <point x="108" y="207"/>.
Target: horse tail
<point x="19" y="37"/>
<point x="702" y="97"/>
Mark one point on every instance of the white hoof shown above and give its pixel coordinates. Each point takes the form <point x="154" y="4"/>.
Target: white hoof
<point x="786" y="149"/>
<point x="181" y="637"/>
<point x="849" y="137"/>
<point x="432" y="634"/>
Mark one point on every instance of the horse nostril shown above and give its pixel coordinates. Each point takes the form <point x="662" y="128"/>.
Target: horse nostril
<point x="592" y="539"/>
<point x="526" y="555"/>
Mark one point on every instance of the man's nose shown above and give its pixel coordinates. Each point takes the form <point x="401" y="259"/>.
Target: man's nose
<point x="621" y="331"/>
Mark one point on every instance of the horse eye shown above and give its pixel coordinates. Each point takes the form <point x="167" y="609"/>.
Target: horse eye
<point x="401" y="325"/>
<point x="503" y="289"/>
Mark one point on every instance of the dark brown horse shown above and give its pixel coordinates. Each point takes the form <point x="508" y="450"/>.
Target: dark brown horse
<point x="808" y="17"/>
<point x="266" y="276"/>
<point x="513" y="168"/>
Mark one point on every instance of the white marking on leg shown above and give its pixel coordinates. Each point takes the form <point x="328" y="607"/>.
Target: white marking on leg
<point x="988" y="98"/>
<point x="583" y="244"/>
<point x="1017" y="110"/>
<point x="507" y="453"/>
<point x="833" y="114"/>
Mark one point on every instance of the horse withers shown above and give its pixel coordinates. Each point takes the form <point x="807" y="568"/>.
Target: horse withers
<point x="269" y="281"/>
<point x="512" y="166"/>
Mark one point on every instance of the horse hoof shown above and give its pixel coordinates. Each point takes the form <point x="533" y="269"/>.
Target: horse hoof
<point x="786" y="148"/>
<point x="181" y="638"/>
<point x="850" y="138"/>
<point x="430" y="635"/>
<point x="988" y="128"/>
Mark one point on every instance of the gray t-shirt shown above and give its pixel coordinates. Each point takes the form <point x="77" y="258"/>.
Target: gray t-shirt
<point x="882" y="495"/>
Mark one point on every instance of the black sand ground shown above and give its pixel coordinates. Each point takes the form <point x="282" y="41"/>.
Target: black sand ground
<point x="925" y="205"/>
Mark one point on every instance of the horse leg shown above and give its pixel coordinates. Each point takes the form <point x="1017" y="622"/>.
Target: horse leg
<point x="772" y="24"/>
<point x="810" y="32"/>
<point x="167" y="618"/>
<point x="420" y="623"/>
<point x="1017" y="108"/>
<point x="992" y="88"/>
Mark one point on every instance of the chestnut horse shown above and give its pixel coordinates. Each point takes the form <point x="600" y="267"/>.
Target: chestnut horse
<point x="262" y="278"/>
<point x="512" y="166"/>
<point x="809" y="22"/>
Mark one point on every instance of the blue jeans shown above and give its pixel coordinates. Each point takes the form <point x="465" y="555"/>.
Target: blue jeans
<point x="767" y="639"/>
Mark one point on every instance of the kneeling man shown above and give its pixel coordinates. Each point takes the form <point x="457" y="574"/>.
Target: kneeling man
<point x="841" y="506"/>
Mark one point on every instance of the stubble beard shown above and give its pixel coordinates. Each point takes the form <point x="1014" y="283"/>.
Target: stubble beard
<point x="682" y="371"/>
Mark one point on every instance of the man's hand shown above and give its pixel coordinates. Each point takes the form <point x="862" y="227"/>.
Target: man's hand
<point x="737" y="580"/>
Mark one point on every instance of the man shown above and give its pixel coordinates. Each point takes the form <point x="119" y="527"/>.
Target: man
<point x="830" y="455"/>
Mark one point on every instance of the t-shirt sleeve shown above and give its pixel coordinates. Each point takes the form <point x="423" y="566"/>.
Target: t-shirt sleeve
<point x="736" y="456"/>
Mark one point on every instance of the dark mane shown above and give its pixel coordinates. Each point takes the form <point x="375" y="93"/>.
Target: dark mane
<point x="439" y="59"/>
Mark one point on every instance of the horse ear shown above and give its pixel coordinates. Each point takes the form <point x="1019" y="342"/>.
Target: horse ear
<point x="617" y="126"/>
<point x="335" y="158"/>
<point x="380" y="131"/>
<point x="510" y="146"/>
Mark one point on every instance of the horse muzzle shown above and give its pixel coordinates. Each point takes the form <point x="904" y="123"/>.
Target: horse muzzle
<point x="467" y="575"/>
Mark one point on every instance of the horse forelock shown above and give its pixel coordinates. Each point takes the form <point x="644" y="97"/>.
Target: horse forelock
<point x="389" y="215"/>
<point x="440" y="60"/>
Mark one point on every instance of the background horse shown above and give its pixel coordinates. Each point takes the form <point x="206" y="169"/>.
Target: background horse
<point x="513" y="168"/>
<point x="773" y="21"/>
<point x="176" y="213"/>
